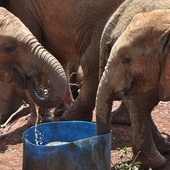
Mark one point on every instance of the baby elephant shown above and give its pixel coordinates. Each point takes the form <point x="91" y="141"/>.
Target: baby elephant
<point x="24" y="61"/>
<point x="138" y="68"/>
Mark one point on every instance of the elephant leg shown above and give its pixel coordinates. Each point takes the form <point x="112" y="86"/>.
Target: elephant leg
<point x="140" y="106"/>
<point x="82" y="107"/>
<point x="120" y="115"/>
<point x="161" y="143"/>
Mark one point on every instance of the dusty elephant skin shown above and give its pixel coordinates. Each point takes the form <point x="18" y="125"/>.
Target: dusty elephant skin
<point x="71" y="31"/>
<point x="136" y="67"/>
<point x="22" y="58"/>
<point x="114" y="28"/>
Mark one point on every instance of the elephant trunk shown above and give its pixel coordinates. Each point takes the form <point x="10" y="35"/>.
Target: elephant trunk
<point x="41" y="62"/>
<point x="104" y="101"/>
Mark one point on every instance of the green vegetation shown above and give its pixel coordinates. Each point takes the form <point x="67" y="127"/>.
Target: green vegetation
<point x="122" y="165"/>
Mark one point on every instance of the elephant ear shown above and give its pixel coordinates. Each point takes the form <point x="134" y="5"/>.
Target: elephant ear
<point x="164" y="90"/>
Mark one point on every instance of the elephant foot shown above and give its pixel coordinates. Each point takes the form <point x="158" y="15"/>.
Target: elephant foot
<point x="152" y="159"/>
<point x="76" y="111"/>
<point x="120" y="116"/>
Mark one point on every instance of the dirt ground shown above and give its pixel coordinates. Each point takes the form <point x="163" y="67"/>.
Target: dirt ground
<point x="11" y="138"/>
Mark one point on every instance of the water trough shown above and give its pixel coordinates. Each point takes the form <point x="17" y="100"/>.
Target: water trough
<point x="66" y="145"/>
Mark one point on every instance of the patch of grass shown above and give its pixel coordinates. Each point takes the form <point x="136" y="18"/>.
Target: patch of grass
<point x="122" y="165"/>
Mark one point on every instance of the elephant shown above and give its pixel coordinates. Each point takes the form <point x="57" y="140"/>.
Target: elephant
<point x="71" y="31"/>
<point x="113" y="29"/>
<point x="22" y="60"/>
<point x="138" y="70"/>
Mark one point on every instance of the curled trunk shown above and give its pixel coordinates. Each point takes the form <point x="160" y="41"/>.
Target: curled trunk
<point x="41" y="62"/>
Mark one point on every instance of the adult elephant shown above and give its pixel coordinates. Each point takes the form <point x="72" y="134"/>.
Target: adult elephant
<point x="71" y="31"/>
<point x="138" y="68"/>
<point x="23" y="59"/>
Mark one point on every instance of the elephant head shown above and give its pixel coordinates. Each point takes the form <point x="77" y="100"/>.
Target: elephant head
<point x="139" y="62"/>
<point x="23" y="59"/>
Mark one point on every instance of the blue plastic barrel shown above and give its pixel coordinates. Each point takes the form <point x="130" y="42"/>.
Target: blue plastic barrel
<point x="75" y="147"/>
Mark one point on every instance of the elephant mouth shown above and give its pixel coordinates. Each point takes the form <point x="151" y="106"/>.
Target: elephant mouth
<point x="29" y="82"/>
<point x="36" y="83"/>
<point x="19" y="77"/>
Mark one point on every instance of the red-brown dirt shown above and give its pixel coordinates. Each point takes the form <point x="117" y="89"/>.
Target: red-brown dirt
<point x="11" y="138"/>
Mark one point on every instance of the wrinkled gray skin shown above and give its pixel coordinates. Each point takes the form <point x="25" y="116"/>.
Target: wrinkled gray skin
<point x="113" y="29"/>
<point x="119" y="21"/>
<point x="71" y="31"/>
<point x="138" y="68"/>
<point x="22" y="59"/>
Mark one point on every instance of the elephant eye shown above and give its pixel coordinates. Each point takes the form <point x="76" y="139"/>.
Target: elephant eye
<point x="126" y="59"/>
<point x="10" y="48"/>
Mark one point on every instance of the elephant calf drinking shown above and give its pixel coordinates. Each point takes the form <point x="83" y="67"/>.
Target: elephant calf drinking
<point x="71" y="31"/>
<point x="139" y="68"/>
<point x="23" y="59"/>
